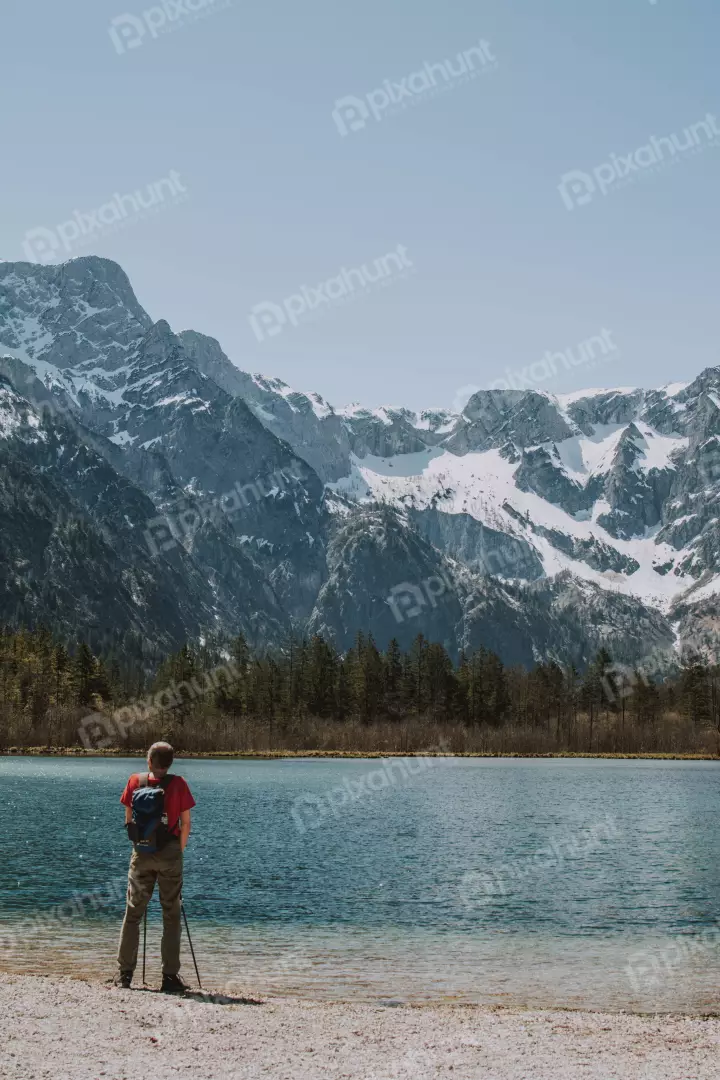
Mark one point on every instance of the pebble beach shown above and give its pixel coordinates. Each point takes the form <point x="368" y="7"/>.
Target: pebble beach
<point x="57" y="1028"/>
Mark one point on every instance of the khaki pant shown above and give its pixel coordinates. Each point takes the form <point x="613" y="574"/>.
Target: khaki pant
<point x="165" y="867"/>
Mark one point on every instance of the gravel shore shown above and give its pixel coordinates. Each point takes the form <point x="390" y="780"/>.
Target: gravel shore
<point x="64" y="1029"/>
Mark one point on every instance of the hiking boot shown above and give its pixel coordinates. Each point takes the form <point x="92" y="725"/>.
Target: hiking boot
<point x="173" y="984"/>
<point x="122" y="979"/>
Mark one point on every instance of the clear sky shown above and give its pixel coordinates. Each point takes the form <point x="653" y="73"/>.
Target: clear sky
<point x="269" y="195"/>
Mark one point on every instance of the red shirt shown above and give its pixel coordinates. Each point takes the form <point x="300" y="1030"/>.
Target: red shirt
<point x="177" y="797"/>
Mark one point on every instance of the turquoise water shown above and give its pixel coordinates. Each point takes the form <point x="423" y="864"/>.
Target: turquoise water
<point x="540" y="882"/>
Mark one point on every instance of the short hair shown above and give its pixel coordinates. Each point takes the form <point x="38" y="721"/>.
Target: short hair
<point x="161" y="754"/>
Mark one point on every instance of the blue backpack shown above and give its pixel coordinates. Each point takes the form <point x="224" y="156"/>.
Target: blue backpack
<point x="148" y="828"/>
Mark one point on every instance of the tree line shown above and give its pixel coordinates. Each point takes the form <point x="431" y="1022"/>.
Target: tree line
<point x="306" y="696"/>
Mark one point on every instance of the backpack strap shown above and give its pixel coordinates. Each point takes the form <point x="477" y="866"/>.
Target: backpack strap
<point x="144" y="781"/>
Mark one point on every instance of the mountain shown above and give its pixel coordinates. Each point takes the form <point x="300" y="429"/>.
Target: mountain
<point x="151" y="488"/>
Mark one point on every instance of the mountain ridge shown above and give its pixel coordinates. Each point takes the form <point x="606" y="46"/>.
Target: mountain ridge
<point x="261" y="502"/>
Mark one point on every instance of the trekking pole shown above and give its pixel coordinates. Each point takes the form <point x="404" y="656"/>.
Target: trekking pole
<point x="187" y="931"/>
<point x="144" y="943"/>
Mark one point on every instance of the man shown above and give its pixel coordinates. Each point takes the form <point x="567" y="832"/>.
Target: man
<point x="165" y="865"/>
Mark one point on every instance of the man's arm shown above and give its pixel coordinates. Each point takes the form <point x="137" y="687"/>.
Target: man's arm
<point x="184" y="829"/>
<point x="126" y="799"/>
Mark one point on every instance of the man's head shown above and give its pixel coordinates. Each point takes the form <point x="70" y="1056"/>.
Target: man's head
<point x="160" y="758"/>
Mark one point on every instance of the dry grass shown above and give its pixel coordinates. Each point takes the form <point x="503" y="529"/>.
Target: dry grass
<point x="672" y="736"/>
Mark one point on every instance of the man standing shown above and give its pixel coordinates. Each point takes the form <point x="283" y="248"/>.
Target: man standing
<point x="162" y="863"/>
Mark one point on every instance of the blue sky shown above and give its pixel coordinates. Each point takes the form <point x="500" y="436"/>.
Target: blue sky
<point x="497" y="271"/>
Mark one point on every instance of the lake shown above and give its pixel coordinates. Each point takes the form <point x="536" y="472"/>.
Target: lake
<point x="583" y="883"/>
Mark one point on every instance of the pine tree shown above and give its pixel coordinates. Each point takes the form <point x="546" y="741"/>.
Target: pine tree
<point x="82" y="675"/>
<point x="343" y="694"/>
<point x="594" y="691"/>
<point x="695" y="691"/>
<point x="393" y="679"/>
<point x="321" y="677"/>
<point x="416" y="675"/>
<point x="441" y="684"/>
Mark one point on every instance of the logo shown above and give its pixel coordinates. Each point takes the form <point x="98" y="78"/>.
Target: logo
<point x="181" y="519"/>
<point x="586" y="354"/>
<point x="310" y="811"/>
<point x="479" y="889"/>
<point x="126" y="32"/>
<point x="352" y="113"/>
<point x="462" y="397"/>
<point x="130" y="31"/>
<point x="407" y="600"/>
<point x="578" y="188"/>
<point x="268" y="319"/>
<point x="97" y="731"/>
<point x="43" y="245"/>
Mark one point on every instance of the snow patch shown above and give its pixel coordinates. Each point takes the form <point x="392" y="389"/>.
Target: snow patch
<point x="482" y="485"/>
<point x="122" y="438"/>
<point x="578" y="395"/>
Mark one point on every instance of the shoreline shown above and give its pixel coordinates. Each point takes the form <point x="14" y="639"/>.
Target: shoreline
<point x="272" y="755"/>
<point x="75" y="1029"/>
<point x="246" y="993"/>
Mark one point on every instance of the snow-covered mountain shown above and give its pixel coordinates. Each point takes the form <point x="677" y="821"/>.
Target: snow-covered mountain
<point x="150" y="482"/>
<point x="618" y="486"/>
